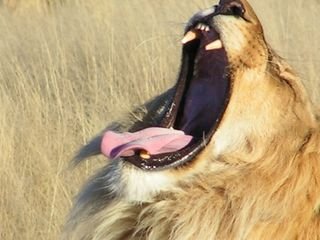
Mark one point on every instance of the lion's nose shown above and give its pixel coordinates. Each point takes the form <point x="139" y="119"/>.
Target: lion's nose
<point x="225" y="7"/>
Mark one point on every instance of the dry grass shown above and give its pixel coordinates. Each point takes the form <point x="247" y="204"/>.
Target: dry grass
<point x="66" y="72"/>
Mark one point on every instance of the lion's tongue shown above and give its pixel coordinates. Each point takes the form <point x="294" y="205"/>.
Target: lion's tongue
<point x="152" y="140"/>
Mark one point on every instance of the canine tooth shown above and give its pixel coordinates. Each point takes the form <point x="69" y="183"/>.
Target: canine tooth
<point x="207" y="29"/>
<point x="189" y="37"/>
<point x="145" y="155"/>
<point x="214" y="45"/>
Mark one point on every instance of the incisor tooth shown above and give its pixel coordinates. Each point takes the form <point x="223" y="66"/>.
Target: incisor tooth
<point x="214" y="45"/>
<point x="145" y="155"/>
<point x="189" y="37"/>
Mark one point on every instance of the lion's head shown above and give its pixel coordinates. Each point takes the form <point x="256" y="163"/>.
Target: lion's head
<point x="233" y="95"/>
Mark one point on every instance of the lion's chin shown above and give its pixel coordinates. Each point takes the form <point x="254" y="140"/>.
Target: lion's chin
<point x="142" y="186"/>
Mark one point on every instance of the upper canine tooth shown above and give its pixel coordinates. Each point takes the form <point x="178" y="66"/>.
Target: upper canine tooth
<point x="191" y="35"/>
<point x="214" y="45"/>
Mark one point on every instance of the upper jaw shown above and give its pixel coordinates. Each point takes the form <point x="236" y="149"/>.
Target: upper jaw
<point x="209" y="36"/>
<point x="200" y="26"/>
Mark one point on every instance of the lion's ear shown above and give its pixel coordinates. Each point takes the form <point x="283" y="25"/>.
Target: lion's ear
<point x="281" y="69"/>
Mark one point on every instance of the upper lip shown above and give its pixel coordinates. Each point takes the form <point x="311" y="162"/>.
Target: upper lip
<point x="172" y="118"/>
<point x="203" y="17"/>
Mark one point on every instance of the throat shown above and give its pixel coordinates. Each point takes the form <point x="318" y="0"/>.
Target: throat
<point x="204" y="95"/>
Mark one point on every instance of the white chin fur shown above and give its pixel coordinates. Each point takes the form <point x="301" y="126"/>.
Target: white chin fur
<point x="142" y="186"/>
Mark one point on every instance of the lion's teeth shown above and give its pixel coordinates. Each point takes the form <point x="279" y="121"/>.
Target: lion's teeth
<point x="203" y="27"/>
<point x="214" y="45"/>
<point x="145" y="155"/>
<point x="189" y="37"/>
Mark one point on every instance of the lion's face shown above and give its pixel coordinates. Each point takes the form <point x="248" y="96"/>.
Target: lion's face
<point x="231" y="96"/>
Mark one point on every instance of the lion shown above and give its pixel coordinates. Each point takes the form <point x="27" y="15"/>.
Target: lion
<point x="252" y="168"/>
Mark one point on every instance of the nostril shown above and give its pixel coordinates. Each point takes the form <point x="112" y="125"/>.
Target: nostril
<point x="236" y="11"/>
<point x="234" y="8"/>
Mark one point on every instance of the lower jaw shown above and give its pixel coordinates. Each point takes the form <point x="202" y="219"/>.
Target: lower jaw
<point x="153" y="184"/>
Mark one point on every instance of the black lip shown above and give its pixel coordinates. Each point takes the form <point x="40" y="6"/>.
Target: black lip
<point x="222" y="79"/>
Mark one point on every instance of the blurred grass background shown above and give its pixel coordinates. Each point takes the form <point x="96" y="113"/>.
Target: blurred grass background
<point x="67" y="67"/>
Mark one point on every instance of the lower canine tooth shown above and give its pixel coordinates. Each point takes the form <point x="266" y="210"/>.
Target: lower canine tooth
<point x="145" y="155"/>
<point x="189" y="37"/>
<point x="214" y="45"/>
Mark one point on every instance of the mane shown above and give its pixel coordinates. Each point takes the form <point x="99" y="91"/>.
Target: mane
<point x="228" y="203"/>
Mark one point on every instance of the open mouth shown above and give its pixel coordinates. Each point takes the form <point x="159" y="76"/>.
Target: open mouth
<point x="201" y="96"/>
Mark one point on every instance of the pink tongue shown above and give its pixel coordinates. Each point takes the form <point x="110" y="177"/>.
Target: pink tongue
<point x="152" y="140"/>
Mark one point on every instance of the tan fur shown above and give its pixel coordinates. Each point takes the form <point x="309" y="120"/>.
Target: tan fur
<point x="259" y="178"/>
